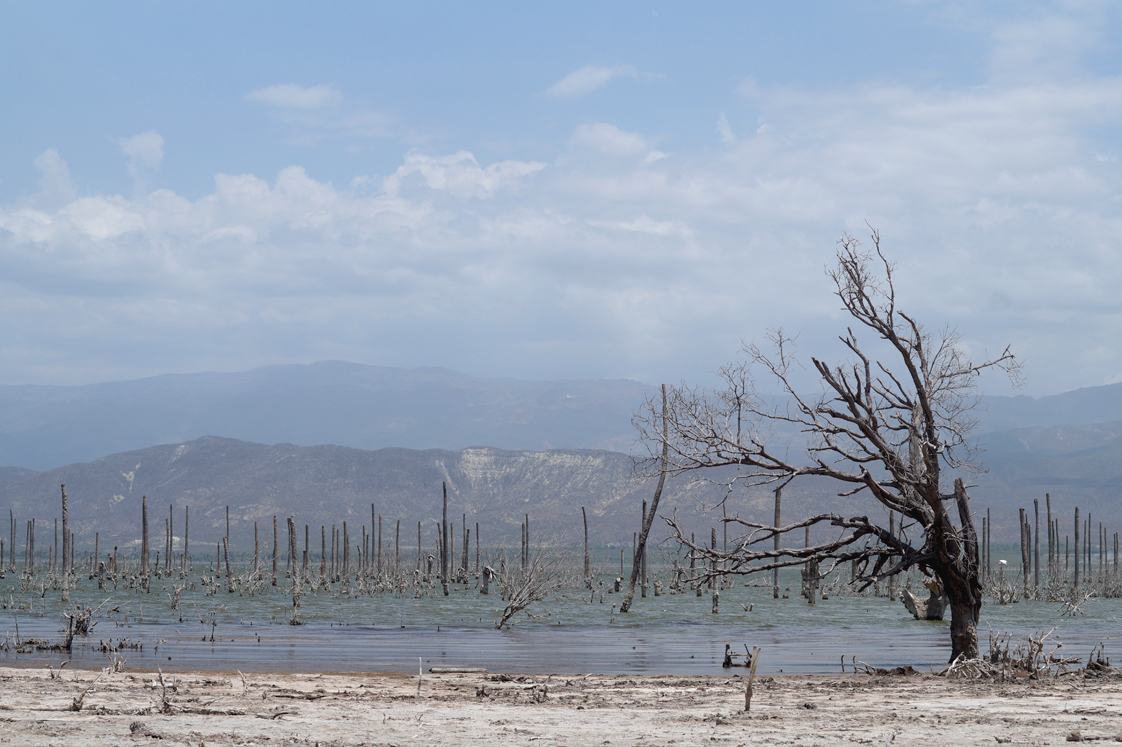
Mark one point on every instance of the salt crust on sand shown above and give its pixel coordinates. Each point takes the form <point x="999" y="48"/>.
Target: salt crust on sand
<point x="484" y="709"/>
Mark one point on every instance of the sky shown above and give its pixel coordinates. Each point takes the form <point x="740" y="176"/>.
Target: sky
<point x="551" y="190"/>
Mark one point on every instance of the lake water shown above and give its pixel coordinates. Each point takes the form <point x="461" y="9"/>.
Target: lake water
<point x="569" y="633"/>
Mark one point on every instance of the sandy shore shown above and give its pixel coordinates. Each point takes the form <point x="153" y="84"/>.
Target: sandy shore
<point x="488" y="709"/>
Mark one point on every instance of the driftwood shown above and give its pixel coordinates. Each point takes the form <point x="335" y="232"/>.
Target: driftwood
<point x="930" y="609"/>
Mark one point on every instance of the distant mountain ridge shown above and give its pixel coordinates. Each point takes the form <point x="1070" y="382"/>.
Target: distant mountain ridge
<point x="325" y="485"/>
<point x="330" y="402"/>
<point x="370" y="407"/>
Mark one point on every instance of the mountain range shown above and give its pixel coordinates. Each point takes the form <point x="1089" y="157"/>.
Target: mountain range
<point x="324" y="442"/>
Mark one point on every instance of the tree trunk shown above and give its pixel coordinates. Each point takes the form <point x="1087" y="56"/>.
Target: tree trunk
<point x="962" y="583"/>
<point x="641" y="547"/>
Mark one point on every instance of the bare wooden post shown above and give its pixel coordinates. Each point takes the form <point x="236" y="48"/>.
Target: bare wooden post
<point x="229" y="573"/>
<point x="775" y="573"/>
<point x="648" y="518"/>
<point x="65" y="550"/>
<point x="641" y="557"/>
<point x="171" y="537"/>
<point x="322" y="553"/>
<point x="587" y="557"/>
<point x="1077" y="549"/>
<point x="186" y="516"/>
<point x="1036" y="544"/>
<point x="295" y="567"/>
<point x="346" y="554"/>
<point x="477" y="547"/>
<point x="751" y="679"/>
<point x="397" y="549"/>
<point x="989" y="543"/>
<point x="307" y="543"/>
<point x="467" y="543"/>
<point x="379" y="544"/>
<point x="144" y="536"/>
<point x="1051" y="538"/>
<point x="985" y="549"/>
<point x="420" y="554"/>
<point x="275" y="549"/>
<point x="444" y="540"/>
<point x="892" y="533"/>
<point x="713" y="584"/>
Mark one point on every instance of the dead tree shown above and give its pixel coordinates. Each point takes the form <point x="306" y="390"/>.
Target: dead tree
<point x="65" y="549"/>
<point x="889" y="422"/>
<point x="648" y="518"/>
<point x="548" y="569"/>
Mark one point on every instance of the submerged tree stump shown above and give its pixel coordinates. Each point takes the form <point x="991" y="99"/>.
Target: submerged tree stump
<point x="930" y="609"/>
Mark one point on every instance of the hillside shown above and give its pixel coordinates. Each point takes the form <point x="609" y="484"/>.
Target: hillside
<point x="329" y="484"/>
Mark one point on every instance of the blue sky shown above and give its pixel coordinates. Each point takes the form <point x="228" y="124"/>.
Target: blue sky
<point x="563" y="191"/>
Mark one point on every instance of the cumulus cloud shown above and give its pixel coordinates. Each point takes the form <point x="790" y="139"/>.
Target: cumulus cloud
<point x="608" y="138"/>
<point x="54" y="176"/>
<point x="460" y="174"/>
<point x="295" y="96"/>
<point x="144" y="152"/>
<point x="999" y="202"/>
<point x="725" y="130"/>
<point x="588" y="79"/>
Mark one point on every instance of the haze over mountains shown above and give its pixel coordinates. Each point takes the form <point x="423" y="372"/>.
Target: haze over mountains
<point x="325" y="441"/>
<point x="368" y="407"/>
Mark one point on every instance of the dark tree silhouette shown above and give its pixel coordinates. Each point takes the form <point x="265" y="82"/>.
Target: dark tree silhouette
<point x="885" y="427"/>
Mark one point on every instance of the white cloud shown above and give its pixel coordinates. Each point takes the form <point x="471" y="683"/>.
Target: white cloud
<point x="588" y="79"/>
<point x="54" y="176"/>
<point x="460" y="174"/>
<point x="145" y="152"/>
<point x="725" y="130"/>
<point x="997" y="201"/>
<point x="295" y="96"/>
<point x="608" y="138"/>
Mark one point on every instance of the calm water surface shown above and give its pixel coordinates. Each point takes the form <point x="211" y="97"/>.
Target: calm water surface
<point x="570" y="633"/>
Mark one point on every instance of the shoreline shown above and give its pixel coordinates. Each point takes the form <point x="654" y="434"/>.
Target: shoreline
<point x="217" y="708"/>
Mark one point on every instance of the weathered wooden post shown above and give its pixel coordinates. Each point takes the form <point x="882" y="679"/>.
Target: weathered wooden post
<point x="1036" y="544"/>
<point x="713" y="585"/>
<point x="295" y="567"/>
<point x="587" y="557"/>
<point x="985" y="549"/>
<point x="229" y="572"/>
<point x="751" y="679"/>
<point x="186" y="516"/>
<point x="144" y="538"/>
<point x="775" y="572"/>
<point x="65" y="550"/>
<point x="346" y="553"/>
<point x="444" y="538"/>
<point x="1077" y="549"/>
<point x="1051" y="539"/>
<point x="275" y="549"/>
